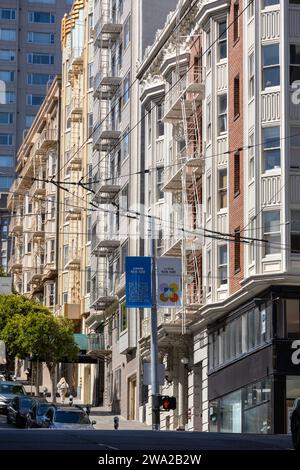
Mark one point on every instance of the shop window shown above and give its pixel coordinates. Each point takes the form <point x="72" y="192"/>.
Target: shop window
<point x="292" y="318"/>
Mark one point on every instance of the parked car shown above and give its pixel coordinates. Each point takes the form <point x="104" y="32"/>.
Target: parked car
<point x="295" y="424"/>
<point x="18" y="409"/>
<point x="58" y="417"/>
<point x="36" y="414"/>
<point x="8" y="390"/>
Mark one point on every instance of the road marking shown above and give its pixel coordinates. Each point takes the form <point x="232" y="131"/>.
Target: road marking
<point x="107" y="446"/>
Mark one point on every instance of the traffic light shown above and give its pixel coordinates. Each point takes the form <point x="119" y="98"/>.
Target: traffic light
<point x="167" y="403"/>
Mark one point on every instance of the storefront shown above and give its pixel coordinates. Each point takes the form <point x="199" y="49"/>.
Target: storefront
<point x="254" y="365"/>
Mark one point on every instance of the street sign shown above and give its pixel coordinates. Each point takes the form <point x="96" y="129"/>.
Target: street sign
<point x="138" y="282"/>
<point x="169" y="272"/>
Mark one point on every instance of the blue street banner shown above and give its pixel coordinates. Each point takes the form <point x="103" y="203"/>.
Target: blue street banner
<point x="138" y="281"/>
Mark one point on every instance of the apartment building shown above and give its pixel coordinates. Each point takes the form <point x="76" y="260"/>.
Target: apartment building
<point x="122" y="30"/>
<point x="33" y="205"/>
<point x="34" y="209"/>
<point x="29" y="40"/>
<point x="74" y="241"/>
<point x="229" y="128"/>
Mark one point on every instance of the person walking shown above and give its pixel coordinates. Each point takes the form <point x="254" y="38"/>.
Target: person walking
<point x="62" y="388"/>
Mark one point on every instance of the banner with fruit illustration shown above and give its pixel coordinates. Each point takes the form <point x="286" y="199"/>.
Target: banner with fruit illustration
<point x="169" y="282"/>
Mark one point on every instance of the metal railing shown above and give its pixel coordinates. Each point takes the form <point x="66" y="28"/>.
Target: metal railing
<point x="97" y="342"/>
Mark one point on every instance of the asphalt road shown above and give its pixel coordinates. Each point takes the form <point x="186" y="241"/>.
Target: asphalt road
<point x="44" y="439"/>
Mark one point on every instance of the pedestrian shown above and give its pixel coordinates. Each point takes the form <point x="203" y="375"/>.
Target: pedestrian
<point x="62" y="388"/>
<point x="28" y="374"/>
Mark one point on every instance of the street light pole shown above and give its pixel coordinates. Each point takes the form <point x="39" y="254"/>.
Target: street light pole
<point x="154" y="341"/>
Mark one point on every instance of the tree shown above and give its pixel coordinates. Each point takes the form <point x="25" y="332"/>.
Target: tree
<point x="42" y="336"/>
<point x="16" y="304"/>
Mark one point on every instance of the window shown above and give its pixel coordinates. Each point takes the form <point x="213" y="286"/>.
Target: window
<point x="6" y="118"/>
<point x="5" y="182"/>
<point x="66" y="253"/>
<point x="271" y="225"/>
<point x="251" y="152"/>
<point x="38" y="58"/>
<point x="160" y="128"/>
<point x="127" y="32"/>
<point x="6" y="161"/>
<point x="90" y="75"/>
<point x="222" y="189"/>
<point x="123" y="318"/>
<point x="29" y="118"/>
<point x="149" y="122"/>
<point x="208" y="49"/>
<point x="7" y="34"/>
<point x="34" y="100"/>
<point x="88" y="280"/>
<point x="222" y="114"/>
<point x="271" y="149"/>
<point x="236" y="96"/>
<point x="292" y="315"/>
<point x="125" y="144"/>
<point x="222" y="41"/>
<point x="222" y="265"/>
<point x="295" y="231"/>
<point x="269" y="3"/>
<point x="271" y="68"/>
<point x="251" y="10"/>
<point x="6" y="139"/>
<point x="159" y="183"/>
<point x="251" y="247"/>
<point x="237" y="250"/>
<point x="126" y="88"/>
<point x="7" y="76"/>
<point x="7" y="97"/>
<point x="295" y="147"/>
<point x="40" y="38"/>
<point x="208" y="196"/>
<point x="41" y="17"/>
<point x="52" y="251"/>
<point x="49" y="2"/>
<point x="208" y="122"/>
<point x="65" y="288"/>
<point x="38" y="78"/>
<point x="294" y="62"/>
<point x="208" y="270"/>
<point x="8" y="13"/>
<point x="251" y="84"/>
<point x="236" y="18"/>
<point x="7" y="55"/>
<point x="237" y="170"/>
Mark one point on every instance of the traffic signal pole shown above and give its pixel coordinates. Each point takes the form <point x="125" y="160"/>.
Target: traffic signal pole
<point x="154" y="341"/>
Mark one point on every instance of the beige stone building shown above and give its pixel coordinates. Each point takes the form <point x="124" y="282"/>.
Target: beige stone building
<point x="34" y="209"/>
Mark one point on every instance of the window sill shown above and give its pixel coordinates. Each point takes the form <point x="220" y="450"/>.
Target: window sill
<point x="236" y="117"/>
<point x="237" y="271"/>
<point x="236" y="194"/>
<point x="271" y="89"/>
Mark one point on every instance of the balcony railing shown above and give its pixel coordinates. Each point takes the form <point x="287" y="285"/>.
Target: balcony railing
<point x="102" y="297"/>
<point x="15" y="263"/>
<point x="97" y="344"/>
<point x="179" y="99"/>
<point x="16" y="224"/>
<point x="106" y="135"/>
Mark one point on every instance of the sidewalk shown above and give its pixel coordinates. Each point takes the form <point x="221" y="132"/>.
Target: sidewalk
<point x="105" y="420"/>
